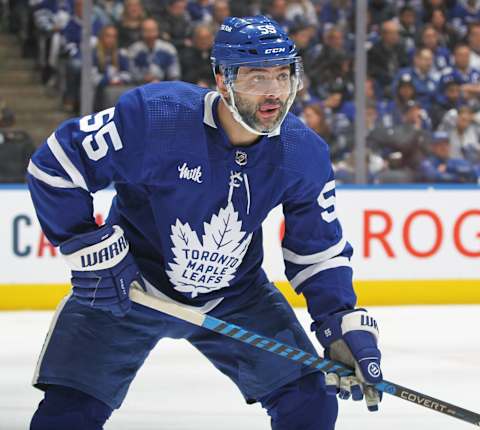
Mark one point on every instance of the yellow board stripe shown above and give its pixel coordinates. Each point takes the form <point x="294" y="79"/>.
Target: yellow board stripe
<point x="404" y="292"/>
<point x="370" y="293"/>
<point x="31" y="296"/>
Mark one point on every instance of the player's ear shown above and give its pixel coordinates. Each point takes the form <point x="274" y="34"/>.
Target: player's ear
<point x="219" y="79"/>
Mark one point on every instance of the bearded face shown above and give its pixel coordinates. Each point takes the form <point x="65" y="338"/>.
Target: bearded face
<point x="259" y="97"/>
<point x="263" y="115"/>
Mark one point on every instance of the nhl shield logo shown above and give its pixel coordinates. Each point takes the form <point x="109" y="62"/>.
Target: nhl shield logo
<point x="241" y="158"/>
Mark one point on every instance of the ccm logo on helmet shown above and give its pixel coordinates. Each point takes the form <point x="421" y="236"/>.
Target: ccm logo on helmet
<point x="226" y="28"/>
<point x="274" y="50"/>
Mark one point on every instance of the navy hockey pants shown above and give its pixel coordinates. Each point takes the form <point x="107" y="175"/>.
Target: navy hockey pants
<point x="99" y="354"/>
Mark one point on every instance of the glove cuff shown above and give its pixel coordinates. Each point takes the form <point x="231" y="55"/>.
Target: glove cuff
<point x="98" y="250"/>
<point x="342" y="323"/>
<point x="360" y="320"/>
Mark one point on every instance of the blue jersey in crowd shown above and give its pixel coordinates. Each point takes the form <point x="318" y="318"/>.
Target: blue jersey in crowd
<point x="51" y="14"/>
<point x="471" y="76"/>
<point x="192" y="204"/>
<point x="425" y="85"/>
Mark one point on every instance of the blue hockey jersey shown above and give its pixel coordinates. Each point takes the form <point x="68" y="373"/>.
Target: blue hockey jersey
<point x="191" y="203"/>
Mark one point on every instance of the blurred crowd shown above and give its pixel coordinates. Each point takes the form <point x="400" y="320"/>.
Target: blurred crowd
<point x="423" y="62"/>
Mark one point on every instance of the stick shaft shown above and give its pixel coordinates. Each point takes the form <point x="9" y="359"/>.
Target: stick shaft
<point x="302" y="357"/>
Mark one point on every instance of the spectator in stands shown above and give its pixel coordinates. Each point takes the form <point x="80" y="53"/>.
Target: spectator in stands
<point x="334" y="39"/>
<point x="380" y="11"/>
<point x="195" y="60"/>
<point x="50" y="18"/>
<point x="461" y="71"/>
<point x="384" y="144"/>
<point x="246" y="7"/>
<point x="328" y="61"/>
<point x="474" y="44"/>
<point x="175" y="24"/>
<point x="303" y="34"/>
<point x="154" y="8"/>
<point x="407" y="26"/>
<point x="7" y="117"/>
<point x="463" y="132"/>
<point x="449" y="98"/>
<point x="130" y="25"/>
<point x="73" y="30"/>
<point x="442" y="166"/>
<point x="314" y="116"/>
<point x="404" y="94"/>
<point x="382" y="107"/>
<point x="446" y="32"/>
<point x="463" y="13"/>
<point x="402" y="147"/>
<point x="427" y="7"/>
<point x="345" y="168"/>
<point x="277" y="10"/>
<point x="109" y="11"/>
<point x="386" y="56"/>
<point x="73" y="39"/>
<point x="416" y="117"/>
<point x="441" y="54"/>
<point x="110" y="67"/>
<point x="220" y="11"/>
<point x="16" y="148"/>
<point x="303" y="98"/>
<point x="153" y="59"/>
<point x="336" y="13"/>
<point x="200" y="10"/>
<point x="340" y="113"/>
<point x="421" y="76"/>
<point x="303" y="10"/>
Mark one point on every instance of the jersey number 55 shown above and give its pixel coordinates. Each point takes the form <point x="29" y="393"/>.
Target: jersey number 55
<point x="100" y="125"/>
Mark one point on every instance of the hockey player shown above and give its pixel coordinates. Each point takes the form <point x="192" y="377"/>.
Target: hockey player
<point x="196" y="172"/>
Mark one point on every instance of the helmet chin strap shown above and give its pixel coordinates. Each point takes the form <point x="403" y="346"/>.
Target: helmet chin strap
<point x="236" y="114"/>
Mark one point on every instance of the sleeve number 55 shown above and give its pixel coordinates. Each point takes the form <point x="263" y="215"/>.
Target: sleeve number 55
<point x="100" y="125"/>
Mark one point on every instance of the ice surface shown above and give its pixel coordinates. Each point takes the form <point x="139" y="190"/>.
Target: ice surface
<point x="434" y="350"/>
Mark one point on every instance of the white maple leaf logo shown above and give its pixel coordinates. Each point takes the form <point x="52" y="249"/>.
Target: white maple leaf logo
<point x="202" y="267"/>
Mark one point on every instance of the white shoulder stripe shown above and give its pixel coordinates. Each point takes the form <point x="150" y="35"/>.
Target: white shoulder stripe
<point x="317" y="268"/>
<point x="318" y="257"/>
<point x="65" y="162"/>
<point x="54" y="181"/>
<point x="208" y="108"/>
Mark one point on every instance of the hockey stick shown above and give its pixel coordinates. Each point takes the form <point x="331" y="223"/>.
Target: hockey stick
<point x="295" y="354"/>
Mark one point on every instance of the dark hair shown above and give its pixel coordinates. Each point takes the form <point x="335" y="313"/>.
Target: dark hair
<point x="406" y="8"/>
<point x="460" y="45"/>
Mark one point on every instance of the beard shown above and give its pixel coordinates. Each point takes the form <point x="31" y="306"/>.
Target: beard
<point x="248" y="111"/>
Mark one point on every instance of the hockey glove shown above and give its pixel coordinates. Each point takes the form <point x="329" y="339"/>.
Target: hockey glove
<point x="102" y="269"/>
<point x="350" y="337"/>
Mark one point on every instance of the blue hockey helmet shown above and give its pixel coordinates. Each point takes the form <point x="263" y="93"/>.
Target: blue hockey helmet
<point x="252" y="39"/>
<point x="256" y="43"/>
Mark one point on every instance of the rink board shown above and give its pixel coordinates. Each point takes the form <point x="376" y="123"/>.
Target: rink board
<point x="413" y="245"/>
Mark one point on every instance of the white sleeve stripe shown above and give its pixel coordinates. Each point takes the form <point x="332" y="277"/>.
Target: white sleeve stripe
<point x="319" y="257"/>
<point x="65" y="162"/>
<point x="54" y="181"/>
<point x="317" y="268"/>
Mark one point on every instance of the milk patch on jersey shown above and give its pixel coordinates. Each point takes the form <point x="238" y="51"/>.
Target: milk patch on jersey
<point x="191" y="174"/>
